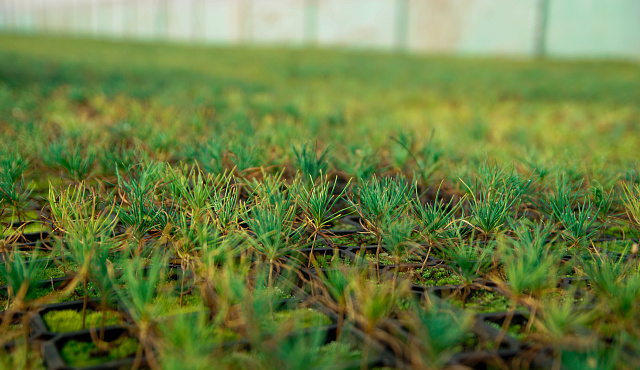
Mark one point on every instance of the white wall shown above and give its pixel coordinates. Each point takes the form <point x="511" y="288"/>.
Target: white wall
<point x="575" y="28"/>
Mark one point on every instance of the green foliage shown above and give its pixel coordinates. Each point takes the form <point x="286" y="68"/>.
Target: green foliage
<point x="140" y="286"/>
<point x="436" y="219"/>
<point x="310" y="164"/>
<point x="398" y="238"/>
<point x="272" y="223"/>
<point x="529" y="263"/>
<point x="437" y="331"/>
<point x="494" y="197"/>
<point x="469" y="260"/>
<point x="21" y="277"/>
<point x="63" y="321"/>
<point x="82" y="354"/>
<point x="380" y="201"/>
<point x="316" y="202"/>
<point x="631" y="199"/>
<point x="69" y="156"/>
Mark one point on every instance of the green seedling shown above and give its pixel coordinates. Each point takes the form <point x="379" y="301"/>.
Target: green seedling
<point x="561" y="321"/>
<point x="138" y="211"/>
<point x="530" y="266"/>
<point x="246" y="157"/>
<point x="380" y="202"/>
<point x="78" y="211"/>
<point x="602" y="200"/>
<point x="189" y="340"/>
<point x="316" y="202"/>
<point x="436" y="219"/>
<point x="469" y="261"/>
<point x="71" y="158"/>
<point x="436" y="331"/>
<point x="271" y="221"/>
<point x="359" y="163"/>
<point x="398" y="242"/>
<point x="631" y="200"/>
<point x="137" y="293"/>
<point x="311" y="164"/>
<point x="337" y="284"/>
<point x="618" y="285"/>
<point x="21" y="278"/>
<point x="494" y="198"/>
<point x="224" y="203"/>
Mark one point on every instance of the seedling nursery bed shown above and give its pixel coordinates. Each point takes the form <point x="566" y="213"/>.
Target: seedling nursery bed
<point x="172" y="218"/>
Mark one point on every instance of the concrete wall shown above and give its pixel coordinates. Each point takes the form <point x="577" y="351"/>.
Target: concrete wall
<point x="571" y="28"/>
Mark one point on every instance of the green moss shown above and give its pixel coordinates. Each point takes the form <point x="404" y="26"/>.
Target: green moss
<point x="80" y="354"/>
<point x="483" y="301"/>
<point x="325" y="356"/>
<point x="388" y="259"/>
<point x="327" y="261"/>
<point x="301" y="318"/>
<point x="51" y="272"/>
<point x="432" y="276"/>
<point x="58" y="297"/>
<point x="165" y="305"/>
<point x="14" y="358"/>
<point x="64" y="321"/>
<point x="515" y="330"/>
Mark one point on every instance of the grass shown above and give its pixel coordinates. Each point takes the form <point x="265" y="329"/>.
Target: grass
<point x="144" y="159"/>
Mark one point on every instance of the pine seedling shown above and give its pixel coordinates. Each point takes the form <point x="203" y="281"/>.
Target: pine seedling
<point x="12" y="165"/>
<point x="564" y="196"/>
<point x="273" y="227"/>
<point x="596" y="356"/>
<point x="21" y="277"/>
<point x="186" y="341"/>
<point x="602" y="200"/>
<point x="618" y="283"/>
<point x="372" y="304"/>
<point x="337" y="284"/>
<point x="224" y="203"/>
<point x="316" y="202"/>
<point x="246" y="157"/>
<point x="427" y="158"/>
<point x="14" y="195"/>
<point x="403" y="151"/>
<point x="398" y="240"/>
<point x="435" y="219"/>
<point x="71" y="159"/>
<point x="436" y="332"/>
<point x="360" y="163"/>
<point x="216" y="256"/>
<point x="577" y="224"/>
<point x="76" y="211"/>
<point x="195" y="188"/>
<point x="562" y="321"/>
<point x="138" y="211"/>
<point x="631" y="200"/>
<point x="530" y="269"/>
<point x="13" y="192"/>
<point x="380" y="201"/>
<point x="121" y="156"/>
<point x="469" y="261"/>
<point x="494" y="198"/>
<point x="139" y="288"/>
<point x="310" y="163"/>
<point x="304" y="350"/>
<point x="210" y="157"/>
<point x="101" y="275"/>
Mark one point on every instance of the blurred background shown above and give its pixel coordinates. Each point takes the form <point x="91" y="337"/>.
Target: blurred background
<point x="528" y="28"/>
